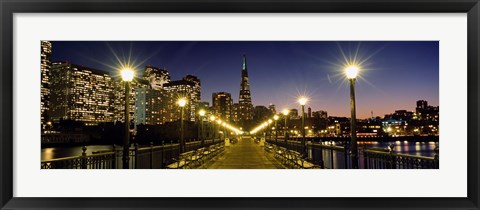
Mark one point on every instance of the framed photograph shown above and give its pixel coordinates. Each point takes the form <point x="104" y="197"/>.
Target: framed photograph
<point x="239" y="105"/>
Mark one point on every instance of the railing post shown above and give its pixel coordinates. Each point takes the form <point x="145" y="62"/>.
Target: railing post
<point x="84" y="157"/>
<point x="365" y="161"/>
<point x="309" y="145"/>
<point x="163" y="155"/>
<point x="135" y="156"/>
<point x="391" y="159"/>
<point x="114" y="163"/>
<point x="331" y="154"/>
<point x="321" y="154"/>
<point x="345" y="154"/>
<point x="151" y="155"/>
<point x="436" y="157"/>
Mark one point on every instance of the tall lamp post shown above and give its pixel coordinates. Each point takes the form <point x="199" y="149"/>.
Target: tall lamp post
<point x="285" y="114"/>
<point x="212" y="123"/>
<point x="351" y="73"/>
<point x="224" y="124"/>
<point x="269" y="121"/>
<point x="276" y="128"/>
<point x="302" y="101"/>
<point x="219" y="121"/>
<point x="202" y="136"/>
<point x="182" y="102"/>
<point x="127" y="77"/>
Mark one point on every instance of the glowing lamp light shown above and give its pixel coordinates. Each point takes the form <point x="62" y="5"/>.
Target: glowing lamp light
<point x="201" y="112"/>
<point x="285" y="112"/>
<point x="212" y="118"/>
<point x="127" y="74"/>
<point x="302" y="101"/>
<point x="351" y="72"/>
<point x="275" y="117"/>
<point x="182" y="102"/>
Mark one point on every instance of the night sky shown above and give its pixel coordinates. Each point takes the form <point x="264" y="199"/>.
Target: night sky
<point x="393" y="75"/>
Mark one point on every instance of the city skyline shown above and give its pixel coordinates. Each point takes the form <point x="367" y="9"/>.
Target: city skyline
<point x="394" y="75"/>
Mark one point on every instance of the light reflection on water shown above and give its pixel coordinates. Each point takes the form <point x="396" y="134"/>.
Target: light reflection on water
<point x="52" y="153"/>
<point x="412" y="148"/>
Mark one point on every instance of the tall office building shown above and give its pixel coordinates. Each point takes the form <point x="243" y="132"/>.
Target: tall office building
<point x="197" y="87"/>
<point x="153" y="107"/>
<point x="80" y="93"/>
<point x="156" y="77"/>
<point x="425" y="112"/>
<point x="188" y="90"/>
<point x="245" y="112"/>
<point x="119" y="98"/>
<point x="235" y="113"/>
<point x="261" y="113"/>
<point x="222" y="105"/>
<point x="272" y="109"/>
<point x="422" y="104"/>
<point x="293" y="114"/>
<point x="45" y="65"/>
<point x="320" y="119"/>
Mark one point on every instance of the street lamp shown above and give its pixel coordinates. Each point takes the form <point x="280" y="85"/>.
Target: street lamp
<point x="127" y="77"/>
<point x="351" y="72"/>
<point x="202" y="114"/>
<point x="285" y="114"/>
<point x="182" y="102"/>
<point x="276" y="129"/>
<point x="302" y="101"/>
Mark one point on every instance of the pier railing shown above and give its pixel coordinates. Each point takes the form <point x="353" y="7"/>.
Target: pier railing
<point x="331" y="154"/>
<point x="388" y="159"/>
<point x="150" y="157"/>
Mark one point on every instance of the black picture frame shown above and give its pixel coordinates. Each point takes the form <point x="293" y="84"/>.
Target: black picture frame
<point x="10" y="7"/>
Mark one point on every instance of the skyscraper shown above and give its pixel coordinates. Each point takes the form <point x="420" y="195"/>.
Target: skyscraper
<point x="245" y="112"/>
<point x="81" y="93"/>
<point x="189" y="90"/>
<point x="272" y="108"/>
<point x="152" y="107"/>
<point x="45" y="65"/>
<point x="222" y="105"/>
<point x="119" y="98"/>
<point x="235" y="113"/>
<point x="422" y="104"/>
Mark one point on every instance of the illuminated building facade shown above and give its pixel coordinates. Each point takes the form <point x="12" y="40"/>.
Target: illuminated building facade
<point x="235" y="112"/>
<point x="188" y="90"/>
<point x="272" y="109"/>
<point x="81" y="93"/>
<point x="119" y="99"/>
<point x="222" y="105"/>
<point x="152" y="107"/>
<point x="45" y="65"/>
<point x="197" y="87"/>
<point x="426" y="112"/>
<point x="245" y="109"/>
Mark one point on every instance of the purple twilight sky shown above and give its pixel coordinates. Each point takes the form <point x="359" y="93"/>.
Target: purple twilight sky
<point x="393" y="75"/>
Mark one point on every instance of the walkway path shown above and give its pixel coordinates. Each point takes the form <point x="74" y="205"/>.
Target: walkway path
<point x="245" y="154"/>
